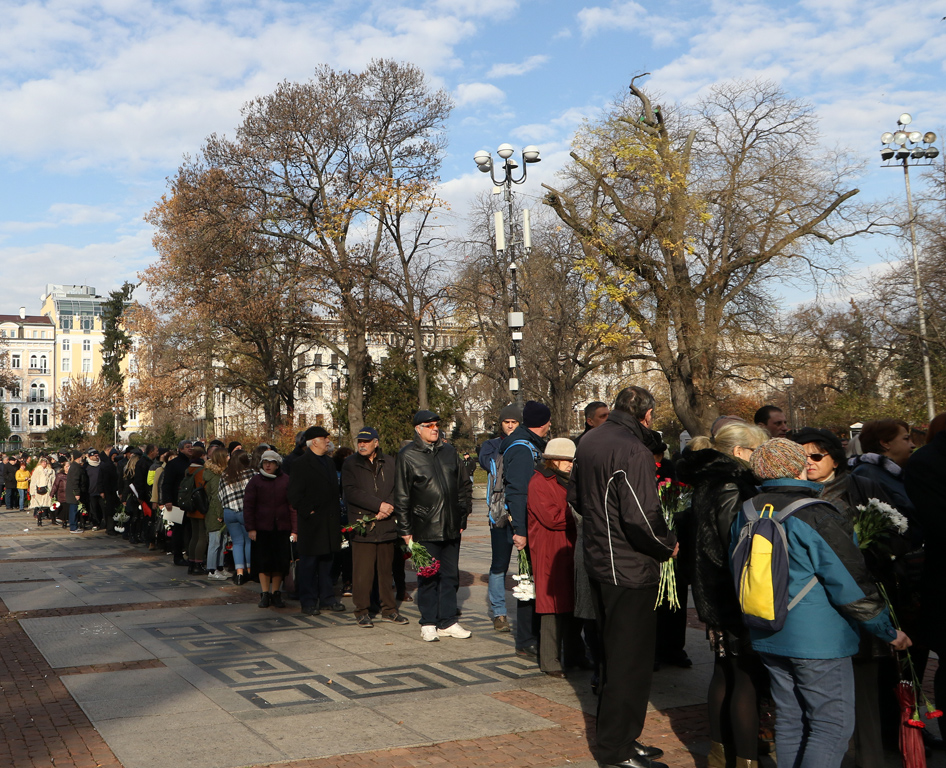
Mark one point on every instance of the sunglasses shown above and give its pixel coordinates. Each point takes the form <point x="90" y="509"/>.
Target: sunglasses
<point x="817" y="456"/>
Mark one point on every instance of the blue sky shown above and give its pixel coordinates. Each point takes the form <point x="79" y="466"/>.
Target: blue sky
<point x="100" y="100"/>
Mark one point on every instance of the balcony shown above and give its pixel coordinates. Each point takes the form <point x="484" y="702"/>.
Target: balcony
<point x="39" y="371"/>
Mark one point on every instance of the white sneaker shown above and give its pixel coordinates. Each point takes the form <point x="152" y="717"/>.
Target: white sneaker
<point x="429" y="633"/>
<point x="217" y="576"/>
<point x="454" y="630"/>
<point x="226" y="574"/>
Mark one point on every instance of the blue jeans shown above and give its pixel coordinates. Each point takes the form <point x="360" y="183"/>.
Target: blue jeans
<point x="22" y="497"/>
<point x="11" y="495"/>
<point x="241" y="542"/>
<point x="214" y="553"/>
<point x="73" y="517"/>
<point x="500" y="540"/>
<point x="814" y="700"/>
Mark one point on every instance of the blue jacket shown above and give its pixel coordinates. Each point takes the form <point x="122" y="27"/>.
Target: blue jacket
<point x="824" y="625"/>
<point x="519" y="465"/>
<point x="489" y="451"/>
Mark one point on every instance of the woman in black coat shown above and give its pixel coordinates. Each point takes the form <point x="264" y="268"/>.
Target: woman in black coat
<point x="718" y="470"/>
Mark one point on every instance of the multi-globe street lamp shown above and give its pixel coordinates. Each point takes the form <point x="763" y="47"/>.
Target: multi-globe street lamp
<point x="506" y="243"/>
<point x="905" y="147"/>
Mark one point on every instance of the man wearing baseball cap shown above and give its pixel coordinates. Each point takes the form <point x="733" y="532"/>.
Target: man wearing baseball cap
<point x="432" y="496"/>
<point x="368" y="485"/>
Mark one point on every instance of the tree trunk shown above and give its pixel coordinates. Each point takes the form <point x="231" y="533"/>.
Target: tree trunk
<point x="357" y="360"/>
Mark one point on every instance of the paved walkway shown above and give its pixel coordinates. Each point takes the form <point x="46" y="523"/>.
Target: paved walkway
<point x="112" y="656"/>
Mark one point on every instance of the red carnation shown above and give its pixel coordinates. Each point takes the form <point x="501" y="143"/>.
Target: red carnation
<point x="916" y="723"/>
<point x="934" y="713"/>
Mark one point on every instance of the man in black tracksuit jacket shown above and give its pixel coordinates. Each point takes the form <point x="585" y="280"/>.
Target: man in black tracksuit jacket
<point x="614" y="488"/>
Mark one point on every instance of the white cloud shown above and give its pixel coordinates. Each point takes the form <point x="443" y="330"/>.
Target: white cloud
<point x="104" y="265"/>
<point x="62" y="215"/>
<point x="475" y="93"/>
<point x="507" y="70"/>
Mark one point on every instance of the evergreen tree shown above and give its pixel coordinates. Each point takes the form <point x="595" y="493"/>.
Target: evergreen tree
<point x="117" y="341"/>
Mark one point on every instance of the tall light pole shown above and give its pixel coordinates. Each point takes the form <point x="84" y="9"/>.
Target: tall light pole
<point x="506" y="245"/>
<point x="900" y="148"/>
<point x="788" y="380"/>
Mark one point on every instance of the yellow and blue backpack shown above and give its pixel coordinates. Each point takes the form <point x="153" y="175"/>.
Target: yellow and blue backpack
<point x="759" y="564"/>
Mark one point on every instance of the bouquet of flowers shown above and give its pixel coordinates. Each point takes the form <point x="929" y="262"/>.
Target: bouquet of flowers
<point x="525" y="589"/>
<point x="120" y="519"/>
<point x="674" y="499"/>
<point x="424" y="563"/>
<point x="875" y="522"/>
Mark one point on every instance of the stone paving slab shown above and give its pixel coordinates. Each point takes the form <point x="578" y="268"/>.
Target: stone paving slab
<point x="71" y="641"/>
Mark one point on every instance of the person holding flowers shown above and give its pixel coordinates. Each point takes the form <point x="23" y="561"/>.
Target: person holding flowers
<point x="718" y="470"/>
<point x="925" y="481"/>
<point x="432" y="496"/>
<point x="614" y="489"/>
<point x="368" y="487"/>
<point x="552" y="536"/>
<point x="809" y="658"/>
<point x="41" y="484"/>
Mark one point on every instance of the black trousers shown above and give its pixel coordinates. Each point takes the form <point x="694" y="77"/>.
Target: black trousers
<point x="97" y="511"/>
<point x="371" y="559"/>
<point x="437" y="595"/>
<point x="627" y="626"/>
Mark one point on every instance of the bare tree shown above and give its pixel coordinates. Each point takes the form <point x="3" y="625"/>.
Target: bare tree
<point x="685" y="216"/>
<point x="317" y="164"/>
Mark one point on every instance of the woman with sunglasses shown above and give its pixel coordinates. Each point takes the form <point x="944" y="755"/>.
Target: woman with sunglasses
<point x="827" y="464"/>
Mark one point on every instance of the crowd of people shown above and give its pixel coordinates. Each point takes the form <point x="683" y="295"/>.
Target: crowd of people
<point x="583" y="517"/>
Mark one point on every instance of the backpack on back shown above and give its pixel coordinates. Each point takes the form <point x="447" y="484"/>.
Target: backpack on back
<point x="759" y="563"/>
<point x="192" y="496"/>
<point x="499" y="516"/>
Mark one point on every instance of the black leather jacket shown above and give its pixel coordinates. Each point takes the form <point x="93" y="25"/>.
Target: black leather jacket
<point x="721" y="484"/>
<point x="432" y="491"/>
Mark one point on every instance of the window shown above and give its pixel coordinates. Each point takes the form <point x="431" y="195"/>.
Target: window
<point x="86" y="345"/>
<point x="67" y="365"/>
<point x="30" y="417"/>
<point x="42" y="334"/>
<point x="317" y="389"/>
<point x="43" y="363"/>
<point x="317" y="358"/>
<point x="86" y="322"/>
<point x="334" y="359"/>
<point x="34" y="361"/>
<point x="66" y="345"/>
<point x="44" y="418"/>
<point x="15" y="360"/>
<point x="38" y="393"/>
<point x="86" y="365"/>
<point x="15" y="417"/>
<point x="132" y="414"/>
<point x="65" y="322"/>
<point x="302" y="389"/>
<point x="35" y="334"/>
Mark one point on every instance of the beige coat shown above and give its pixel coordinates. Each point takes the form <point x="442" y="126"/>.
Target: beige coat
<point x="40" y="478"/>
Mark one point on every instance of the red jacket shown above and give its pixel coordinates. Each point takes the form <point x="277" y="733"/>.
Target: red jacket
<point x="551" y="544"/>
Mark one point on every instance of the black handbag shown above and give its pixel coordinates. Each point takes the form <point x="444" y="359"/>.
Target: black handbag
<point x="42" y="490"/>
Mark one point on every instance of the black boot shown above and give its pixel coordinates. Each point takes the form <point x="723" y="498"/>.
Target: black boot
<point x="264" y="600"/>
<point x="191" y="565"/>
<point x="277" y="600"/>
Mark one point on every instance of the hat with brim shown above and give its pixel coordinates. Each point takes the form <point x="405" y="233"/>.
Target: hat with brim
<point x="270" y="456"/>
<point x="560" y="449"/>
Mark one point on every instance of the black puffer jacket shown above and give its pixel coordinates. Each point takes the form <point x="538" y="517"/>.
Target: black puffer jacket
<point x="614" y="488"/>
<point x="432" y="491"/>
<point x="9" y="475"/>
<point x="721" y="484"/>
<point x="366" y="485"/>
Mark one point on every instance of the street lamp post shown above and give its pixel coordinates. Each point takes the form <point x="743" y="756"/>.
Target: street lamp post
<point x="788" y="380"/>
<point x="507" y="244"/>
<point x="272" y="384"/>
<point x="906" y="148"/>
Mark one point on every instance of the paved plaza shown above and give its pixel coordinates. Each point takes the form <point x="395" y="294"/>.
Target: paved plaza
<point x="112" y="656"/>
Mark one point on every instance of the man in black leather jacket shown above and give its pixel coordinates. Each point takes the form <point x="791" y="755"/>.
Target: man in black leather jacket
<point x="432" y="496"/>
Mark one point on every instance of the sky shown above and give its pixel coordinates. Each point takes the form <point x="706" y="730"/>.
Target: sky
<point x="101" y="100"/>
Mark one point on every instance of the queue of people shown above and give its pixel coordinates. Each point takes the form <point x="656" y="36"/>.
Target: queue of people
<point x="584" y="519"/>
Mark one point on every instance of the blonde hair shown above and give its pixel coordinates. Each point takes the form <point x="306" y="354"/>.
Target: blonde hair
<point x="734" y="435"/>
<point x="218" y="460"/>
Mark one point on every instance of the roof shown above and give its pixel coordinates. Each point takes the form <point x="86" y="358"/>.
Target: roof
<point x="28" y="320"/>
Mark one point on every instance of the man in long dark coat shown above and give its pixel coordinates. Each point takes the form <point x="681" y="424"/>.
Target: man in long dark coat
<point x="315" y="495"/>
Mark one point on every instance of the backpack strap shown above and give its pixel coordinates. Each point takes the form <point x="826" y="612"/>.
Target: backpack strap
<point x="804" y="591"/>
<point x="535" y="454"/>
<point x="749" y="510"/>
<point x="799" y="504"/>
